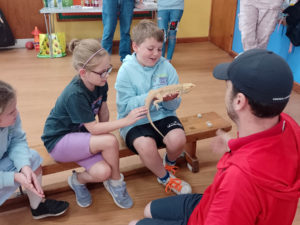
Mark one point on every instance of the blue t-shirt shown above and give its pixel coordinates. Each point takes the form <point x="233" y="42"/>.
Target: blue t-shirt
<point x="75" y="106"/>
<point x="170" y="4"/>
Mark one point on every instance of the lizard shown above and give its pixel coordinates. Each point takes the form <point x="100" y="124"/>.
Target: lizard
<point x="156" y="96"/>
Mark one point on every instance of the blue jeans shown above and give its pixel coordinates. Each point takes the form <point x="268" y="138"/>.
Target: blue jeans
<point x="110" y="11"/>
<point x="168" y="20"/>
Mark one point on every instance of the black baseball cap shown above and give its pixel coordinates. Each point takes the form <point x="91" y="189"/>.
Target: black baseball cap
<point x="262" y="75"/>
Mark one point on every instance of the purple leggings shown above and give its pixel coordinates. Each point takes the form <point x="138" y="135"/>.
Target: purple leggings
<point x="75" y="147"/>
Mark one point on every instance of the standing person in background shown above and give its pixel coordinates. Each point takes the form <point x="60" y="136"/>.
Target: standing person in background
<point x="257" y="21"/>
<point x="169" y="13"/>
<point x="111" y="9"/>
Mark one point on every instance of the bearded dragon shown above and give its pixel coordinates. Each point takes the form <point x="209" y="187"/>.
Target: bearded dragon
<point x="156" y="96"/>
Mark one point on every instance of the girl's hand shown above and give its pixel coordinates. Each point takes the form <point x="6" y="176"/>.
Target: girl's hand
<point x="220" y="143"/>
<point x="136" y="114"/>
<point x="27" y="178"/>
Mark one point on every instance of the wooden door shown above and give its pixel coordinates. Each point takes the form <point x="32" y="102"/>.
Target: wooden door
<point x="22" y="16"/>
<point x="222" y="22"/>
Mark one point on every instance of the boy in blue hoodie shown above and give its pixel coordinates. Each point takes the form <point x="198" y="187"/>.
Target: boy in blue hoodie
<point x="20" y="165"/>
<point x="140" y="72"/>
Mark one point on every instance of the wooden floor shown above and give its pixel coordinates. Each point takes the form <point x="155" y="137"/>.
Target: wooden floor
<point x="39" y="82"/>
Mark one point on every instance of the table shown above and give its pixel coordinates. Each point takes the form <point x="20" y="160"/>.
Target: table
<point x="47" y="11"/>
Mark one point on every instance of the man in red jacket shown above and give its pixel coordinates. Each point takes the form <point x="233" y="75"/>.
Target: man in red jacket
<point x="258" y="177"/>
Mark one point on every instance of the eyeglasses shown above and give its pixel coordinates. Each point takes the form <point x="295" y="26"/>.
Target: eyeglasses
<point x="105" y="73"/>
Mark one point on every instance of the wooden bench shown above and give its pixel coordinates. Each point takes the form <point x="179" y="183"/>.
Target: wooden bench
<point x="197" y="127"/>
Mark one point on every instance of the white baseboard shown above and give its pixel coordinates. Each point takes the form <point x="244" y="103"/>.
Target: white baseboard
<point x="20" y="43"/>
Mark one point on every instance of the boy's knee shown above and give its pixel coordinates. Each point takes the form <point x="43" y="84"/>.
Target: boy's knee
<point x="147" y="211"/>
<point x="175" y="140"/>
<point x="133" y="222"/>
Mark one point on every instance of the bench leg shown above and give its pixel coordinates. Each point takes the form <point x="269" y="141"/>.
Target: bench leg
<point x="190" y="156"/>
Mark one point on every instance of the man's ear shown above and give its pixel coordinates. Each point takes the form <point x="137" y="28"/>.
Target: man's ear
<point x="240" y="101"/>
<point x="134" y="46"/>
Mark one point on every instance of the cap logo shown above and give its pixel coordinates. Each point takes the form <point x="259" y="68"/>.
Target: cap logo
<point x="280" y="99"/>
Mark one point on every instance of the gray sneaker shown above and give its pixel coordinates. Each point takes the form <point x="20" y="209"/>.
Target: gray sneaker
<point x="119" y="194"/>
<point x="83" y="196"/>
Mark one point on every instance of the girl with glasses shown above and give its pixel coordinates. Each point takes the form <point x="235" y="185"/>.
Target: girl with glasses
<point x="73" y="134"/>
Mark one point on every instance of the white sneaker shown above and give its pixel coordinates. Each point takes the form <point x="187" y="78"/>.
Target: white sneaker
<point x="176" y="185"/>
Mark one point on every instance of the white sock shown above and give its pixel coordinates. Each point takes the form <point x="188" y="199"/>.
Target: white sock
<point x="35" y="200"/>
<point x="76" y="182"/>
<point x="116" y="183"/>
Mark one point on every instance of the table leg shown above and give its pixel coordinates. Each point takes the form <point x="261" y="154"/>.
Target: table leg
<point x="190" y="156"/>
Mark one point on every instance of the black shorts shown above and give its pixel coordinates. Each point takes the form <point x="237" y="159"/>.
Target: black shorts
<point x="174" y="210"/>
<point x="146" y="130"/>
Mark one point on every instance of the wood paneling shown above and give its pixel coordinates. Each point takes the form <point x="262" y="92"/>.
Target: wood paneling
<point x="222" y="23"/>
<point x="22" y="16"/>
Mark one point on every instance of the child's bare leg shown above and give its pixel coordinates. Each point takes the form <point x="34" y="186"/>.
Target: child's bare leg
<point x="147" y="211"/>
<point x="175" y="141"/>
<point x="99" y="172"/>
<point x="108" y="145"/>
<point x="133" y="222"/>
<point x="147" y="214"/>
<point x="147" y="149"/>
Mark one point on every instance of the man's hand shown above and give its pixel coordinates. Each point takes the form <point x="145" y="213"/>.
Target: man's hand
<point x="27" y="179"/>
<point x="220" y="143"/>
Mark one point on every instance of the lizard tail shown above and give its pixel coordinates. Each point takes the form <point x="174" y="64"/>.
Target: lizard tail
<point x="152" y="124"/>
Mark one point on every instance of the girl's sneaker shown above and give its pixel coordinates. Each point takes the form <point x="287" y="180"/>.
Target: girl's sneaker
<point x="49" y="208"/>
<point x="119" y="193"/>
<point x="83" y="196"/>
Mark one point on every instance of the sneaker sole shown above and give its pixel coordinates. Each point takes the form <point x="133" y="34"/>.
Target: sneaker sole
<point x="108" y="190"/>
<point x="49" y="215"/>
<point x="83" y="206"/>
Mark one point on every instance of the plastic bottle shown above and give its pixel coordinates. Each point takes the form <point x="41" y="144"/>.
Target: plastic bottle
<point x="59" y="3"/>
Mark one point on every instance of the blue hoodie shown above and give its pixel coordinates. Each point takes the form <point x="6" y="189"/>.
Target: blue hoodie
<point x="14" y="145"/>
<point x="133" y="83"/>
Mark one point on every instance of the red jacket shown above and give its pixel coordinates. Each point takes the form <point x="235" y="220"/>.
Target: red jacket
<point x="258" y="182"/>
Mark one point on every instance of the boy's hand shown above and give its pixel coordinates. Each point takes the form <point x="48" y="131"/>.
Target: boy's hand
<point x="220" y="143"/>
<point x="136" y="114"/>
<point x="170" y="97"/>
<point x="27" y="178"/>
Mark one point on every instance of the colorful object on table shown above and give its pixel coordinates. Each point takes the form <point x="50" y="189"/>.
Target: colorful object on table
<point x="67" y="3"/>
<point x="36" y="41"/>
<point x="29" y="45"/>
<point x="58" y="45"/>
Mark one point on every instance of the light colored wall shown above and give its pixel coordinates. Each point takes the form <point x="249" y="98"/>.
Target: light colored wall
<point x="194" y="23"/>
